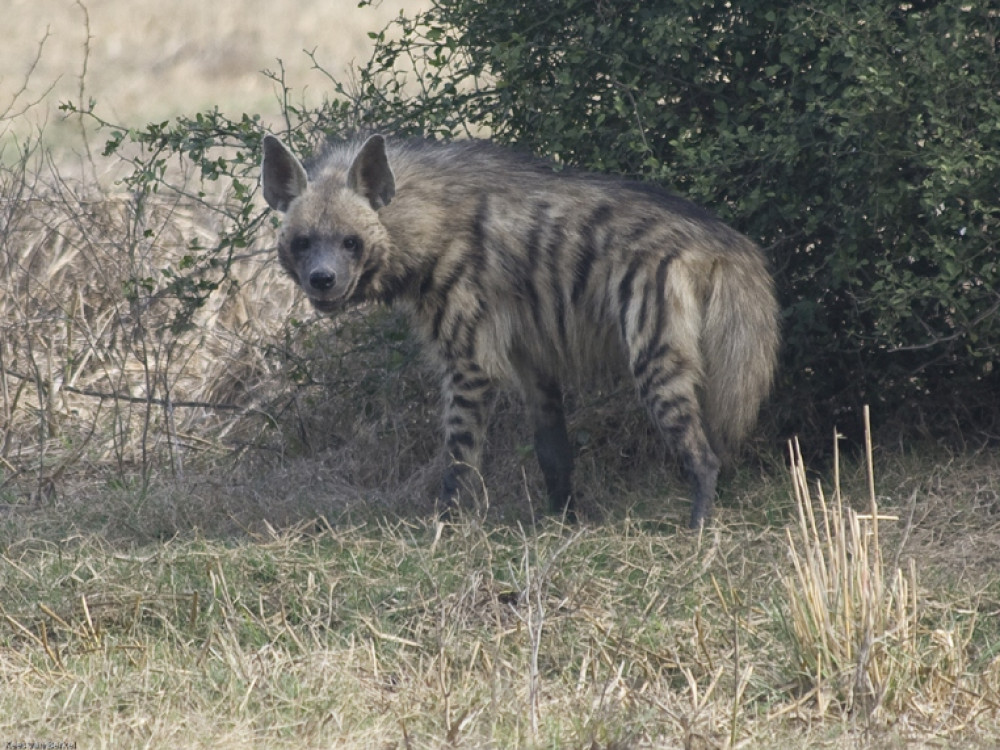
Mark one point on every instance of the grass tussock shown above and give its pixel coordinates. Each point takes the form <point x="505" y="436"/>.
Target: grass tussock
<point x="866" y="638"/>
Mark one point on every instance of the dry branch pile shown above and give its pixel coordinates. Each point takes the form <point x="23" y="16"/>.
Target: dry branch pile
<point x="91" y="368"/>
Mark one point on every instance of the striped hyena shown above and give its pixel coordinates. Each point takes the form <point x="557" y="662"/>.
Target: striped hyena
<point x="516" y="273"/>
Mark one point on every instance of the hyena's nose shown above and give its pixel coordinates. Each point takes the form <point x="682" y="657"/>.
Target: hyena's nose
<point x="322" y="280"/>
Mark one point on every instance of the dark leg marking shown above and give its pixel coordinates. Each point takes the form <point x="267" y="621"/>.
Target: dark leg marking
<point x="552" y="448"/>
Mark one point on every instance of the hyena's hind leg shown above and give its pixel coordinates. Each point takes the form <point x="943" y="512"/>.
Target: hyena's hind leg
<point x="665" y="360"/>
<point x="468" y="393"/>
<point x="668" y="388"/>
<point x="544" y="400"/>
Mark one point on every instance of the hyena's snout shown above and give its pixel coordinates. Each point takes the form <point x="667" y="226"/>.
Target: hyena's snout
<point x="323" y="275"/>
<point x="324" y="284"/>
<point x="322" y="279"/>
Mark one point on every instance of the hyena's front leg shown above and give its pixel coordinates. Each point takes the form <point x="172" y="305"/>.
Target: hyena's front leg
<point x="544" y="400"/>
<point x="467" y="396"/>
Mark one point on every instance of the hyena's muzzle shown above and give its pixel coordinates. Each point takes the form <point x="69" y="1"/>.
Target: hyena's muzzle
<point x="323" y="268"/>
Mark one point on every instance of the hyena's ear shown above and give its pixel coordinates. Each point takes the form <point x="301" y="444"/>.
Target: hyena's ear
<point x="370" y="174"/>
<point x="282" y="176"/>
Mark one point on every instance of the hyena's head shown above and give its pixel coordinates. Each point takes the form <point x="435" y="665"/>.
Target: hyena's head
<point x="331" y="241"/>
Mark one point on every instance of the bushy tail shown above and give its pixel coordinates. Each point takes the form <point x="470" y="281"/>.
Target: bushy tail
<point x="739" y="344"/>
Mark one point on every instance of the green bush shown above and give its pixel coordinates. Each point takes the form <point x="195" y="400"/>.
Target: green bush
<point x="858" y="142"/>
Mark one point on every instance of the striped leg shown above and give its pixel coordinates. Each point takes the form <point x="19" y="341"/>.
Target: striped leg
<point x="674" y="407"/>
<point x="467" y="397"/>
<point x="663" y="344"/>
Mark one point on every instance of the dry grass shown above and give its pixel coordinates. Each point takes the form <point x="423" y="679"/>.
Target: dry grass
<point x="193" y="55"/>
<point x="860" y="625"/>
<point x="92" y="381"/>
<point x="91" y="372"/>
<point x="217" y="536"/>
<point x="402" y="634"/>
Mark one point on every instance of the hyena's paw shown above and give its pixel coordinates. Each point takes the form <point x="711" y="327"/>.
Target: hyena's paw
<point x="462" y="490"/>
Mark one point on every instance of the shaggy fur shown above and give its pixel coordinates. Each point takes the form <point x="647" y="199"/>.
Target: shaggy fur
<point x="515" y="273"/>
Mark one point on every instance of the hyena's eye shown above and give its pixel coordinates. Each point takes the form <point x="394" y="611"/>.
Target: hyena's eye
<point x="352" y="244"/>
<point x="300" y="243"/>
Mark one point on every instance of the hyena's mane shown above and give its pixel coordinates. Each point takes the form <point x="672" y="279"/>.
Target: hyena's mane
<point x="423" y="154"/>
<point x="481" y="161"/>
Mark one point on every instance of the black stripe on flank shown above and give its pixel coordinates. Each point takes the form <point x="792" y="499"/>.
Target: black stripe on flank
<point x="560" y="315"/>
<point x="533" y="250"/>
<point x="441" y="301"/>
<point x="643" y="309"/>
<point x="428" y="282"/>
<point x="471" y="266"/>
<point x="436" y="324"/>
<point x="654" y="296"/>
<point x="581" y="273"/>
<point x="527" y="286"/>
<point x="533" y="302"/>
<point x="539" y="222"/>
<point x="661" y="292"/>
<point x="476" y="267"/>
<point x="479" y="220"/>
<point x="639" y="230"/>
<point x="556" y="278"/>
<point x="588" y="251"/>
